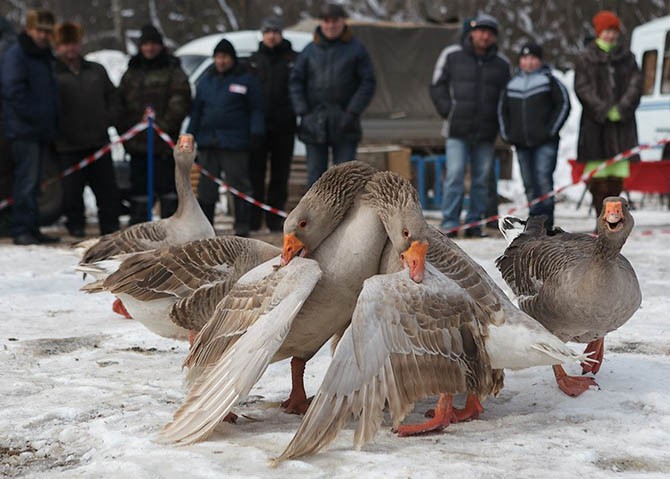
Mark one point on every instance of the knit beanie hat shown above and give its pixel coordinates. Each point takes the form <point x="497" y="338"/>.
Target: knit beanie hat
<point x="271" y="24"/>
<point x="531" y="48"/>
<point x="484" y="21"/>
<point x="224" y="46"/>
<point x="604" y="20"/>
<point x="149" y="33"/>
<point x="67" y="33"/>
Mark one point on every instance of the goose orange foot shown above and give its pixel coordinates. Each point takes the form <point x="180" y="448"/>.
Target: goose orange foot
<point x="296" y="405"/>
<point x="297" y="402"/>
<point x="473" y="408"/>
<point x="231" y="417"/>
<point x="573" y="385"/>
<point x="443" y="415"/>
<point x="119" y="308"/>
<point x="596" y="347"/>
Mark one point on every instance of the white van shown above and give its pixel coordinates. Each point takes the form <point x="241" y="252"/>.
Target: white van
<point x="650" y="43"/>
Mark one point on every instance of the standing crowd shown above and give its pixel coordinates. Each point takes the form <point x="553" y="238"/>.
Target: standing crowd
<point x="246" y="113"/>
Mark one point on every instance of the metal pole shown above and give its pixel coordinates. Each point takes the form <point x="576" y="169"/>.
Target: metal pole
<point x="150" y="167"/>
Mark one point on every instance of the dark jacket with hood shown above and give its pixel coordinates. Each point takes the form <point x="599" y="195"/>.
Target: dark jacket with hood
<point x="532" y="109"/>
<point x="273" y="67"/>
<point x="466" y="88"/>
<point x="604" y="80"/>
<point x="161" y="84"/>
<point x="332" y="83"/>
<point x="227" y="110"/>
<point x="88" y="106"/>
<point x="29" y="92"/>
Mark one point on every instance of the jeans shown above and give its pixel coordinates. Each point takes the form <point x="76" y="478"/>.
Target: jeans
<point x="537" y="167"/>
<point x="480" y="158"/>
<point x="317" y="157"/>
<point x="28" y="159"/>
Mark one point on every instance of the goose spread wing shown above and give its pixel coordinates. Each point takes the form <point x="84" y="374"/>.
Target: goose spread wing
<point x="407" y="341"/>
<point x="230" y="377"/>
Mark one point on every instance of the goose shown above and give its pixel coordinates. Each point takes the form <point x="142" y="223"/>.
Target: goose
<point x="233" y="350"/>
<point x="191" y="277"/>
<point x="410" y="340"/>
<point x="578" y="286"/>
<point x="102" y="255"/>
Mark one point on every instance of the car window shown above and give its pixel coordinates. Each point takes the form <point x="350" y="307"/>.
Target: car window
<point x="649" y="71"/>
<point x="190" y="63"/>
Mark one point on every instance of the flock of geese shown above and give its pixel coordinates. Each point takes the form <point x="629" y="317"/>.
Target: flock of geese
<point x="410" y="314"/>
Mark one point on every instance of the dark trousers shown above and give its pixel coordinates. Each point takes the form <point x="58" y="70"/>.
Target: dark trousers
<point x="279" y="148"/>
<point x="317" y="157"/>
<point x="100" y="177"/>
<point x="537" y="167"/>
<point x="6" y="184"/>
<point x="164" y="186"/>
<point x="28" y="159"/>
<point x="235" y="165"/>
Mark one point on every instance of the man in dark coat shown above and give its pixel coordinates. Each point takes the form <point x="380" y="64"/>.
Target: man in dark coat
<point x="467" y="82"/>
<point x="88" y="106"/>
<point x="532" y="109"/>
<point x="609" y="85"/>
<point x="7" y="39"/>
<point x="30" y="119"/>
<point x="272" y="64"/>
<point x="227" y="122"/>
<point x="332" y="83"/>
<point x="154" y="79"/>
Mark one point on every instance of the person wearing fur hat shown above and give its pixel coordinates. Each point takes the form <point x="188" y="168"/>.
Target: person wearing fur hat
<point x="227" y="121"/>
<point x="532" y="109"/>
<point x="154" y="79"/>
<point x="609" y="85"/>
<point x="88" y="106"/>
<point x="30" y="116"/>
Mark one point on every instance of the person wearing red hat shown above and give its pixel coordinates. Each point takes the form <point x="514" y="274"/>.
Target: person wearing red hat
<point x="609" y="85"/>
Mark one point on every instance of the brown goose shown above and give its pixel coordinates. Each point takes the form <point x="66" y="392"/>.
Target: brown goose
<point x="187" y="224"/>
<point x="171" y="289"/>
<point x="578" y="286"/>
<point x="347" y="257"/>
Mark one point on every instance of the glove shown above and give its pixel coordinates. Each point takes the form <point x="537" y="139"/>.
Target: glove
<point x="349" y="121"/>
<point x="613" y="114"/>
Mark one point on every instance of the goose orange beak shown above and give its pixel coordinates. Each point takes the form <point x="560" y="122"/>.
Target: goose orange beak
<point x="613" y="211"/>
<point x="185" y="142"/>
<point x="292" y="247"/>
<point x="415" y="259"/>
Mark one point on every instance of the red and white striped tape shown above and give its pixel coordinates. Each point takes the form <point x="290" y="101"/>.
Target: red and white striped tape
<point x="584" y="178"/>
<point x="166" y="138"/>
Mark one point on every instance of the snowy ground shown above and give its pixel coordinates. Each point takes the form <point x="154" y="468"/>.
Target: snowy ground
<point x="83" y="393"/>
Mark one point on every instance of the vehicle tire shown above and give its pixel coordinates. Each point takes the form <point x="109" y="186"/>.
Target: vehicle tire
<point x="50" y="199"/>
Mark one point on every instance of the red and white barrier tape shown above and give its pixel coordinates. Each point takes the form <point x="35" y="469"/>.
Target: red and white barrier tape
<point x="166" y="138"/>
<point x="584" y="178"/>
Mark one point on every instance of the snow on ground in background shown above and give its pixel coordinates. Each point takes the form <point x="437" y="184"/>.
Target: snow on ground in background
<point x="84" y="393"/>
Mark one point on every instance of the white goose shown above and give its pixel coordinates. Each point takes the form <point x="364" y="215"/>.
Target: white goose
<point x="578" y="286"/>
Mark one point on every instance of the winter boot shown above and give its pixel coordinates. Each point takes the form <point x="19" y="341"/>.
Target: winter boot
<point x="169" y="204"/>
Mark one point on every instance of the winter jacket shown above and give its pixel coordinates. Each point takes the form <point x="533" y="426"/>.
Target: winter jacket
<point x="272" y="66"/>
<point x="332" y="83"/>
<point x="161" y="84"/>
<point x="604" y="80"/>
<point x="227" y="110"/>
<point x="29" y="92"/>
<point x="88" y="106"/>
<point x="466" y="89"/>
<point x="532" y="108"/>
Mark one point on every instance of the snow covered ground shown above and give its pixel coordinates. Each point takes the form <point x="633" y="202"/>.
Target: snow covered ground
<point x="84" y="393"/>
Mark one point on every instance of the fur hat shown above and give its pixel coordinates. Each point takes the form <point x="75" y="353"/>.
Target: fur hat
<point x="332" y="10"/>
<point x="41" y="19"/>
<point x="605" y="20"/>
<point x="149" y="33"/>
<point x="68" y="32"/>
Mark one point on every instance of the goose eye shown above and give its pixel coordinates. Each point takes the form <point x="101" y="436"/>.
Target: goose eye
<point x="405" y="233"/>
<point x="302" y="224"/>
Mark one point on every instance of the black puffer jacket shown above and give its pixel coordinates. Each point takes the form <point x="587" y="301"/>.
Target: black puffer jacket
<point x="532" y="109"/>
<point x="331" y="85"/>
<point x="604" y="80"/>
<point x="273" y="67"/>
<point x="466" y="89"/>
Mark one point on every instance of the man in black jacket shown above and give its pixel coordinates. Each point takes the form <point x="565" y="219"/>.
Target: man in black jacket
<point x="88" y="106"/>
<point x="332" y="83"/>
<point x="272" y="64"/>
<point x="532" y="109"/>
<point x="467" y="82"/>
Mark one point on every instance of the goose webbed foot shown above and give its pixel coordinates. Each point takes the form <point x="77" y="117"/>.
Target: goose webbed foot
<point x="473" y="408"/>
<point x="297" y="402"/>
<point x="120" y="309"/>
<point x="443" y="415"/>
<point x="573" y="386"/>
<point x="596" y="347"/>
